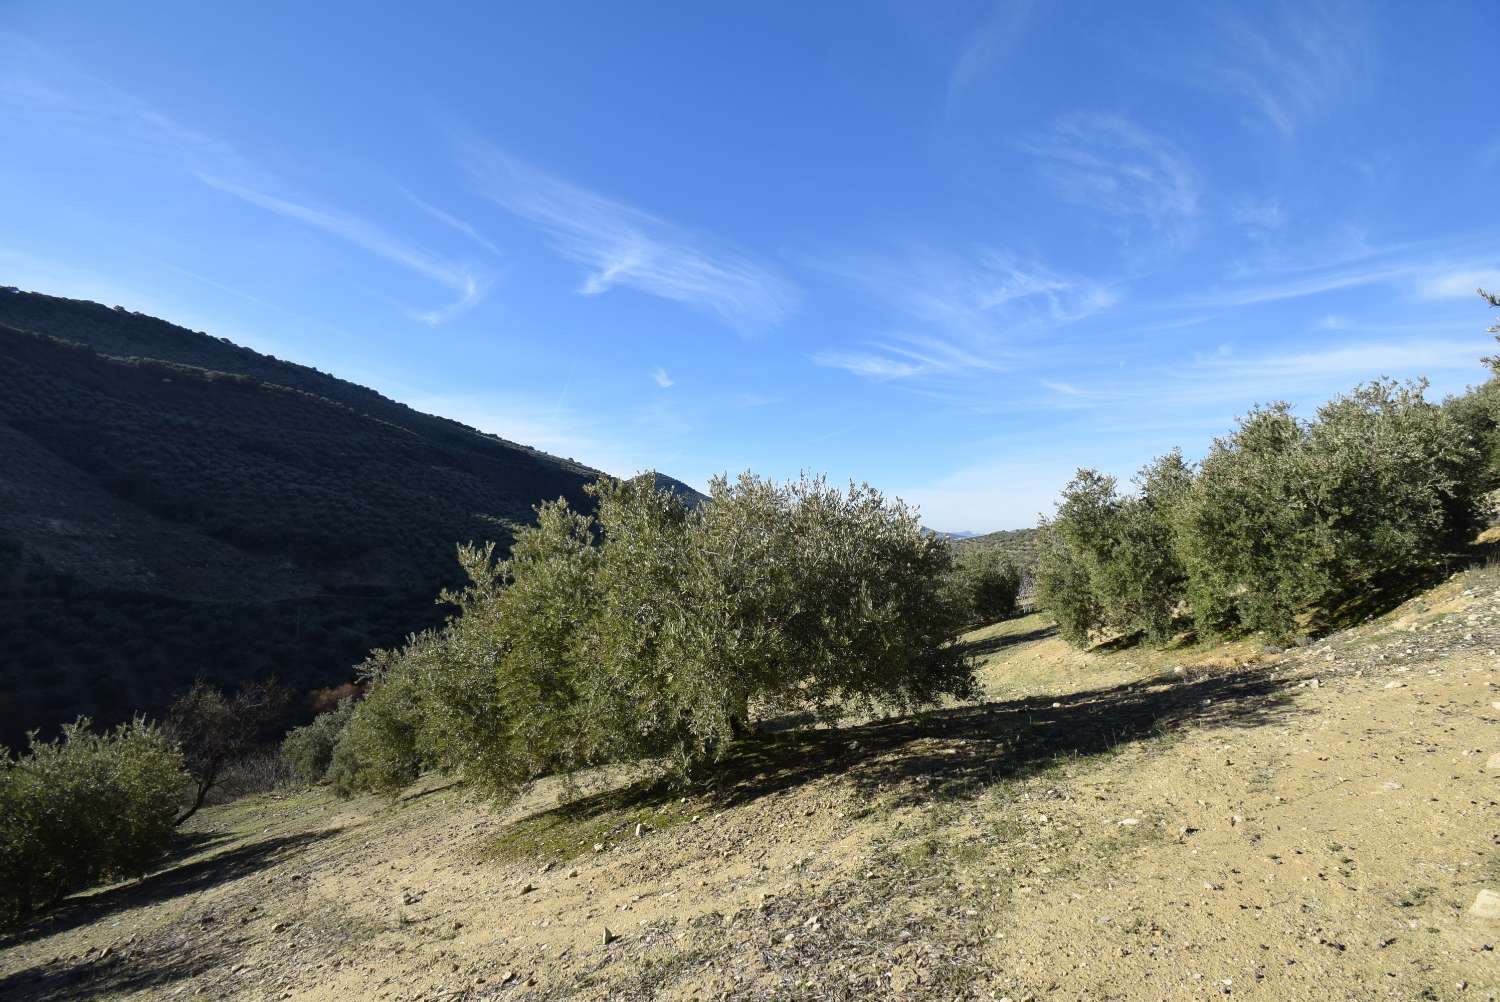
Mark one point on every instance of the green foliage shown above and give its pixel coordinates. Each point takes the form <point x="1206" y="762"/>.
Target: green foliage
<point x="1109" y="563"/>
<point x="657" y="630"/>
<point x="986" y="583"/>
<point x="1063" y="587"/>
<point x="378" y="748"/>
<point x="309" y="748"/>
<point x="1286" y="516"/>
<point x="1282" y="517"/>
<point x="82" y="809"/>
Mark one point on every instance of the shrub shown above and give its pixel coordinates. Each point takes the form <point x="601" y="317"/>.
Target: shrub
<point x="213" y="730"/>
<point x="1282" y="517"/>
<point x="82" y="809"/>
<point x="655" y="630"/>
<point x="378" y="747"/>
<point x="1063" y="586"/>
<point x="1109" y="562"/>
<point x="308" y="750"/>
<point x="987" y="586"/>
<point x="1286" y="516"/>
<point x="263" y="771"/>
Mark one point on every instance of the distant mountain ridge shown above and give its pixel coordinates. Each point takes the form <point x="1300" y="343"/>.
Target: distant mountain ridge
<point x="175" y="505"/>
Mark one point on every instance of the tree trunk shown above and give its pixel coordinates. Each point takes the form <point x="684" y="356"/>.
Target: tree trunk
<point x="204" y="786"/>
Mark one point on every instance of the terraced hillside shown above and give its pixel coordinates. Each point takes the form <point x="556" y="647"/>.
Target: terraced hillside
<point x="176" y="505"/>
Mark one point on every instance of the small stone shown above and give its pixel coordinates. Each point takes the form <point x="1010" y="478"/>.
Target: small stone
<point x="609" y="937"/>
<point x="1128" y="822"/>
<point x="1391" y="784"/>
<point x="1486" y="905"/>
<point x="507" y="977"/>
<point x="281" y="927"/>
<point x="573" y="872"/>
<point x="1395" y="685"/>
<point x="528" y="888"/>
<point x="598" y="846"/>
<point x="640" y="829"/>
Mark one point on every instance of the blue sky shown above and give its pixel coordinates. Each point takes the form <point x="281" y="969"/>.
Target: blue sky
<point x="956" y="250"/>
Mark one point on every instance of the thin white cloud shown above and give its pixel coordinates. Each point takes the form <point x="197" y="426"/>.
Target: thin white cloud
<point x="450" y="220"/>
<point x="869" y="365"/>
<point x="968" y="311"/>
<point x="662" y="379"/>
<point x="109" y="116"/>
<point x="1066" y="389"/>
<point x="625" y="246"/>
<point x="366" y="236"/>
<point x="1428" y="274"/>
<point x="1461" y="284"/>
<point x="987" y="45"/>
<point x="1359" y="360"/>
<point x="1291" y="63"/>
<point x="1108" y="164"/>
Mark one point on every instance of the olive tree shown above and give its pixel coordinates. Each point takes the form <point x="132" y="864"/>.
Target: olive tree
<point x="656" y="629"/>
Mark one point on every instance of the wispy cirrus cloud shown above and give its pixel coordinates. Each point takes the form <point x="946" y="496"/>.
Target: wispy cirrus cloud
<point x="1428" y="271"/>
<point x="660" y="377"/>
<point x="1108" y="164"/>
<point x="42" y="83"/>
<point x="1292" y="63"/>
<point x="368" y="237"/>
<point x="1461" y="284"/>
<point x="451" y="221"/>
<point x="986" y="45"/>
<point x="960" y="314"/>
<point x="621" y="245"/>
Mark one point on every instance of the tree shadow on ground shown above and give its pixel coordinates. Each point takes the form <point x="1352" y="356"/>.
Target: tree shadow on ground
<point x="990" y="645"/>
<point x="150" y="970"/>
<point x="964" y="750"/>
<point x="175" y="879"/>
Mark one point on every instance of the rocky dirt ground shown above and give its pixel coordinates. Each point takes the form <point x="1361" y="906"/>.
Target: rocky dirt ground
<point x="1321" y="822"/>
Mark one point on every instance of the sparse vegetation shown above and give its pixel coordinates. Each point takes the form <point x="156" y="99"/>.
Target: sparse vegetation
<point x="213" y="730"/>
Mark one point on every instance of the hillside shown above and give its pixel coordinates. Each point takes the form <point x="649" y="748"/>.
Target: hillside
<point x="177" y="505"/>
<point x="1016" y="545"/>
<point x="1132" y="825"/>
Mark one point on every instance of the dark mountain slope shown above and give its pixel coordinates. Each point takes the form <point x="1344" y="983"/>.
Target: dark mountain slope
<point x="174" y="505"/>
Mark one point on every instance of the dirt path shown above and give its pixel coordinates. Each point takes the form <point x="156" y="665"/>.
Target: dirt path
<point x="1135" y="825"/>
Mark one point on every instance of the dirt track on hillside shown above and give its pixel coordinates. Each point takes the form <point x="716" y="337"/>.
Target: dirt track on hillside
<point x="1133" y="825"/>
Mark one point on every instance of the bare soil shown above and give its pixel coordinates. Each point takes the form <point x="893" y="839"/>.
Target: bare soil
<point x="1131" y="825"/>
